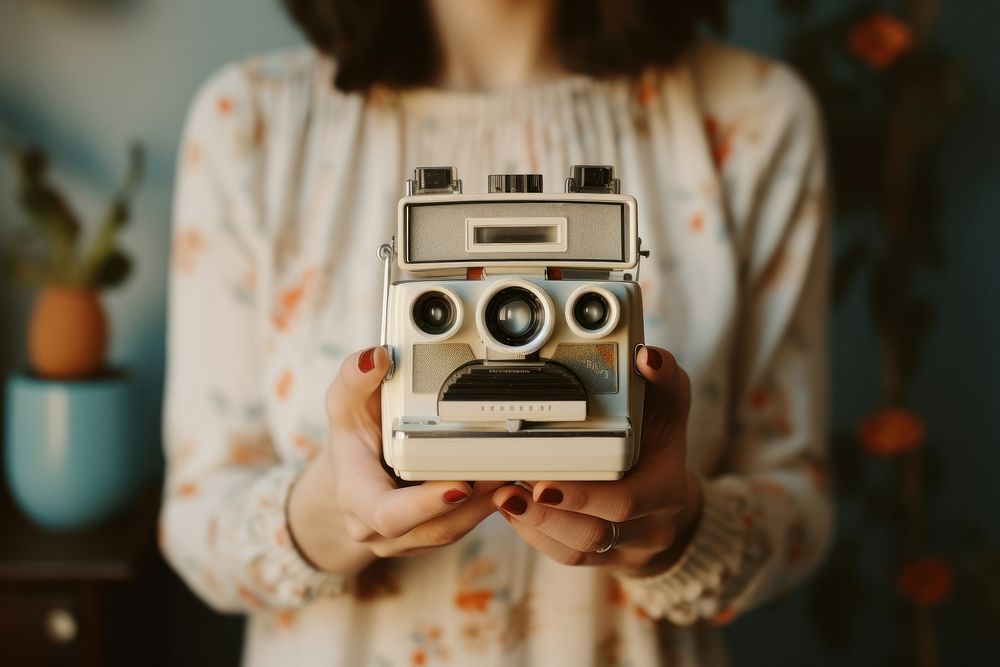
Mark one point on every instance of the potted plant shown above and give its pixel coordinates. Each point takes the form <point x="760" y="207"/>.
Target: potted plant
<point x="69" y="417"/>
<point x="67" y="337"/>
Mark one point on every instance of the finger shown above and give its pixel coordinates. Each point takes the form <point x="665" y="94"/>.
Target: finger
<point x="585" y="533"/>
<point x="486" y="488"/>
<point x="357" y="382"/>
<point x="565" y="555"/>
<point x="657" y="484"/>
<point x="450" y="527"/>
<point x="393" y="513"/>
<point x="668" y="393"/>
<point x="580" y="532"/>
<point x="356" y="529"/>
<point x="367" y="492"/>
<point x="555" y="549"/>
<point x="627" y="558"/>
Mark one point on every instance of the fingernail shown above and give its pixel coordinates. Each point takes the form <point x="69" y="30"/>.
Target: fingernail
<point x="514" y="505"/>
<point x="366" y="362"/>
<point x="550" y="496"/>
<point x="653" y="358"/>
<point x="453" y="496"/>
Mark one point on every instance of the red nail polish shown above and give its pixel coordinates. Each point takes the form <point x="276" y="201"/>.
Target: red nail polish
<point x="366" y="362"/>
<point x="550" y="496"/>
<point x="453" y="496"/>
<point x="514" y="505"/>
<point x="653" y="358"/>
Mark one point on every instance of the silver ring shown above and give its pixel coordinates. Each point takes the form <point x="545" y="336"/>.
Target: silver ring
<point x="616" y="533"/>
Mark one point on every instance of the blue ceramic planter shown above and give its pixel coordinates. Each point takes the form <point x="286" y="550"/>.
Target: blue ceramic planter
<point x="71" y="455"/>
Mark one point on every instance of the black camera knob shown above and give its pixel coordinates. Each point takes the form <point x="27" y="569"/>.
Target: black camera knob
<point x="515" y="183"/>
<point x="593" y="179"/>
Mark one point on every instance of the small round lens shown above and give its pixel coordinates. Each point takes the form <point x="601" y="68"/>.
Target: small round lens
<point x="514" y="316"/>
<point x="433" y="313"/>
<point x="591" y="311"/>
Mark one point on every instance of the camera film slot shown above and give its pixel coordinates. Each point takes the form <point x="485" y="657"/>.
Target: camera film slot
<point x="515" y="235"/>
<point x="487" y="391"/>
<point x="595" y="364"/>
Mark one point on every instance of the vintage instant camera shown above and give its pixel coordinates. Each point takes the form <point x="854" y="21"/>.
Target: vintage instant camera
<point x="513" y="336"/>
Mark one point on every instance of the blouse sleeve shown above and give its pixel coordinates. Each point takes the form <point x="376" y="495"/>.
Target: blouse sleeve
<point x="767" y="516"/>
<point x="223" y="523"/>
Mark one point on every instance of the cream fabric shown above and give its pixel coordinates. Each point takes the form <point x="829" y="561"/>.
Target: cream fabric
<point x="286" y="188"/>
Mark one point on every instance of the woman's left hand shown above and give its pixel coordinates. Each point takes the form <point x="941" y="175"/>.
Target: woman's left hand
<point x="656" y="506"/>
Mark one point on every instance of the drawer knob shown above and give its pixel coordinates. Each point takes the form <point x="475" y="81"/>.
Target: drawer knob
<point x="61" y="626"/>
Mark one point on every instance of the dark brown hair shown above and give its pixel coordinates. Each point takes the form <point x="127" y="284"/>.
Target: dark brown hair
<point x="392" y="42"/>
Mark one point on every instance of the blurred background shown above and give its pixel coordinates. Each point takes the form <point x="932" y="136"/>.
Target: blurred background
<point x="912" y="97"/>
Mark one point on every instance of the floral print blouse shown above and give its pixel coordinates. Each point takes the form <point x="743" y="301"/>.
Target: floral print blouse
<point x="286" y="188"/>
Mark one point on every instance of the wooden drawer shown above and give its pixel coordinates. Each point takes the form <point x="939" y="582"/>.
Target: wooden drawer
<point x="47" y="624"/>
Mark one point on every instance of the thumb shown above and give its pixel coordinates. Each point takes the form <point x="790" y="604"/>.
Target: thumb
<point x="668" y="389"/>
<point x="358" y="380"/>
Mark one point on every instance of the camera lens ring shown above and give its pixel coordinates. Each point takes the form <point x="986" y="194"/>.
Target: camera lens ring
<point x="575" y="307"/>
<point x="526" y="305"/>
<point x="436" y="313"/>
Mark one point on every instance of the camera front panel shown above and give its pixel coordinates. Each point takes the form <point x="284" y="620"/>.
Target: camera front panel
<point x="423" y="361"/>
<point x="425" y="358"/>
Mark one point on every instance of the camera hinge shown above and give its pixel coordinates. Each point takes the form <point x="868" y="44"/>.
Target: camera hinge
<point x="641" y="255"/>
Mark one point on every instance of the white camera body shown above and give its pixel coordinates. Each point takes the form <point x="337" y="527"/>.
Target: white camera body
<point x="513" y="336"/>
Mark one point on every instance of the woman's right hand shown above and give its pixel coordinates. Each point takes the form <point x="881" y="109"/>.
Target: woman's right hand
<point x="346" y="509"/>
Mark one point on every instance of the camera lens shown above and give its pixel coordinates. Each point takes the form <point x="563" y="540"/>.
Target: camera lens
<point x="433" y="313"/>
<point x="514" y="316"/>
<point x="591" y="311"/>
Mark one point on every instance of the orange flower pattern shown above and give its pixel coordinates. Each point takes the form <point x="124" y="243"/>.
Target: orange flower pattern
<point x="291" y="299"/>
<point x="927" y="581"/>
<point x="307" y="447"/>
<point x="473" y="600"/>
<point x="880" y="40"/>
<point x="225" y="105"/>
<point x="720" y="136"/>
<point x="251" y="449"/>
<point x="772" y="411"/>
<point x="283" y="387"/>
<point x="891" y="432"/>
<point x="697" y="222"/>
<point x="189" y="244"/>
<point x="260" y="289"/>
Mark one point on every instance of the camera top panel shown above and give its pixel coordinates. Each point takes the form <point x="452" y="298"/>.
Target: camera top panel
<point x="516" y="224"/>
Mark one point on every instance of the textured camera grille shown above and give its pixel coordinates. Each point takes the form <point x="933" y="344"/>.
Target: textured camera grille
<point x="595" y="364"/>
<point x="434" y="362"/>
<point x="596" y="232"/>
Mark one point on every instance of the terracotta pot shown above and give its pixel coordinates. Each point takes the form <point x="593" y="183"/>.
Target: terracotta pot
<point x="68" y="333"/>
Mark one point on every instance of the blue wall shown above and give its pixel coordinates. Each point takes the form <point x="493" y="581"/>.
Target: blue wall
<point x="84" y="78"/>
<point x="958" y="387"/>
